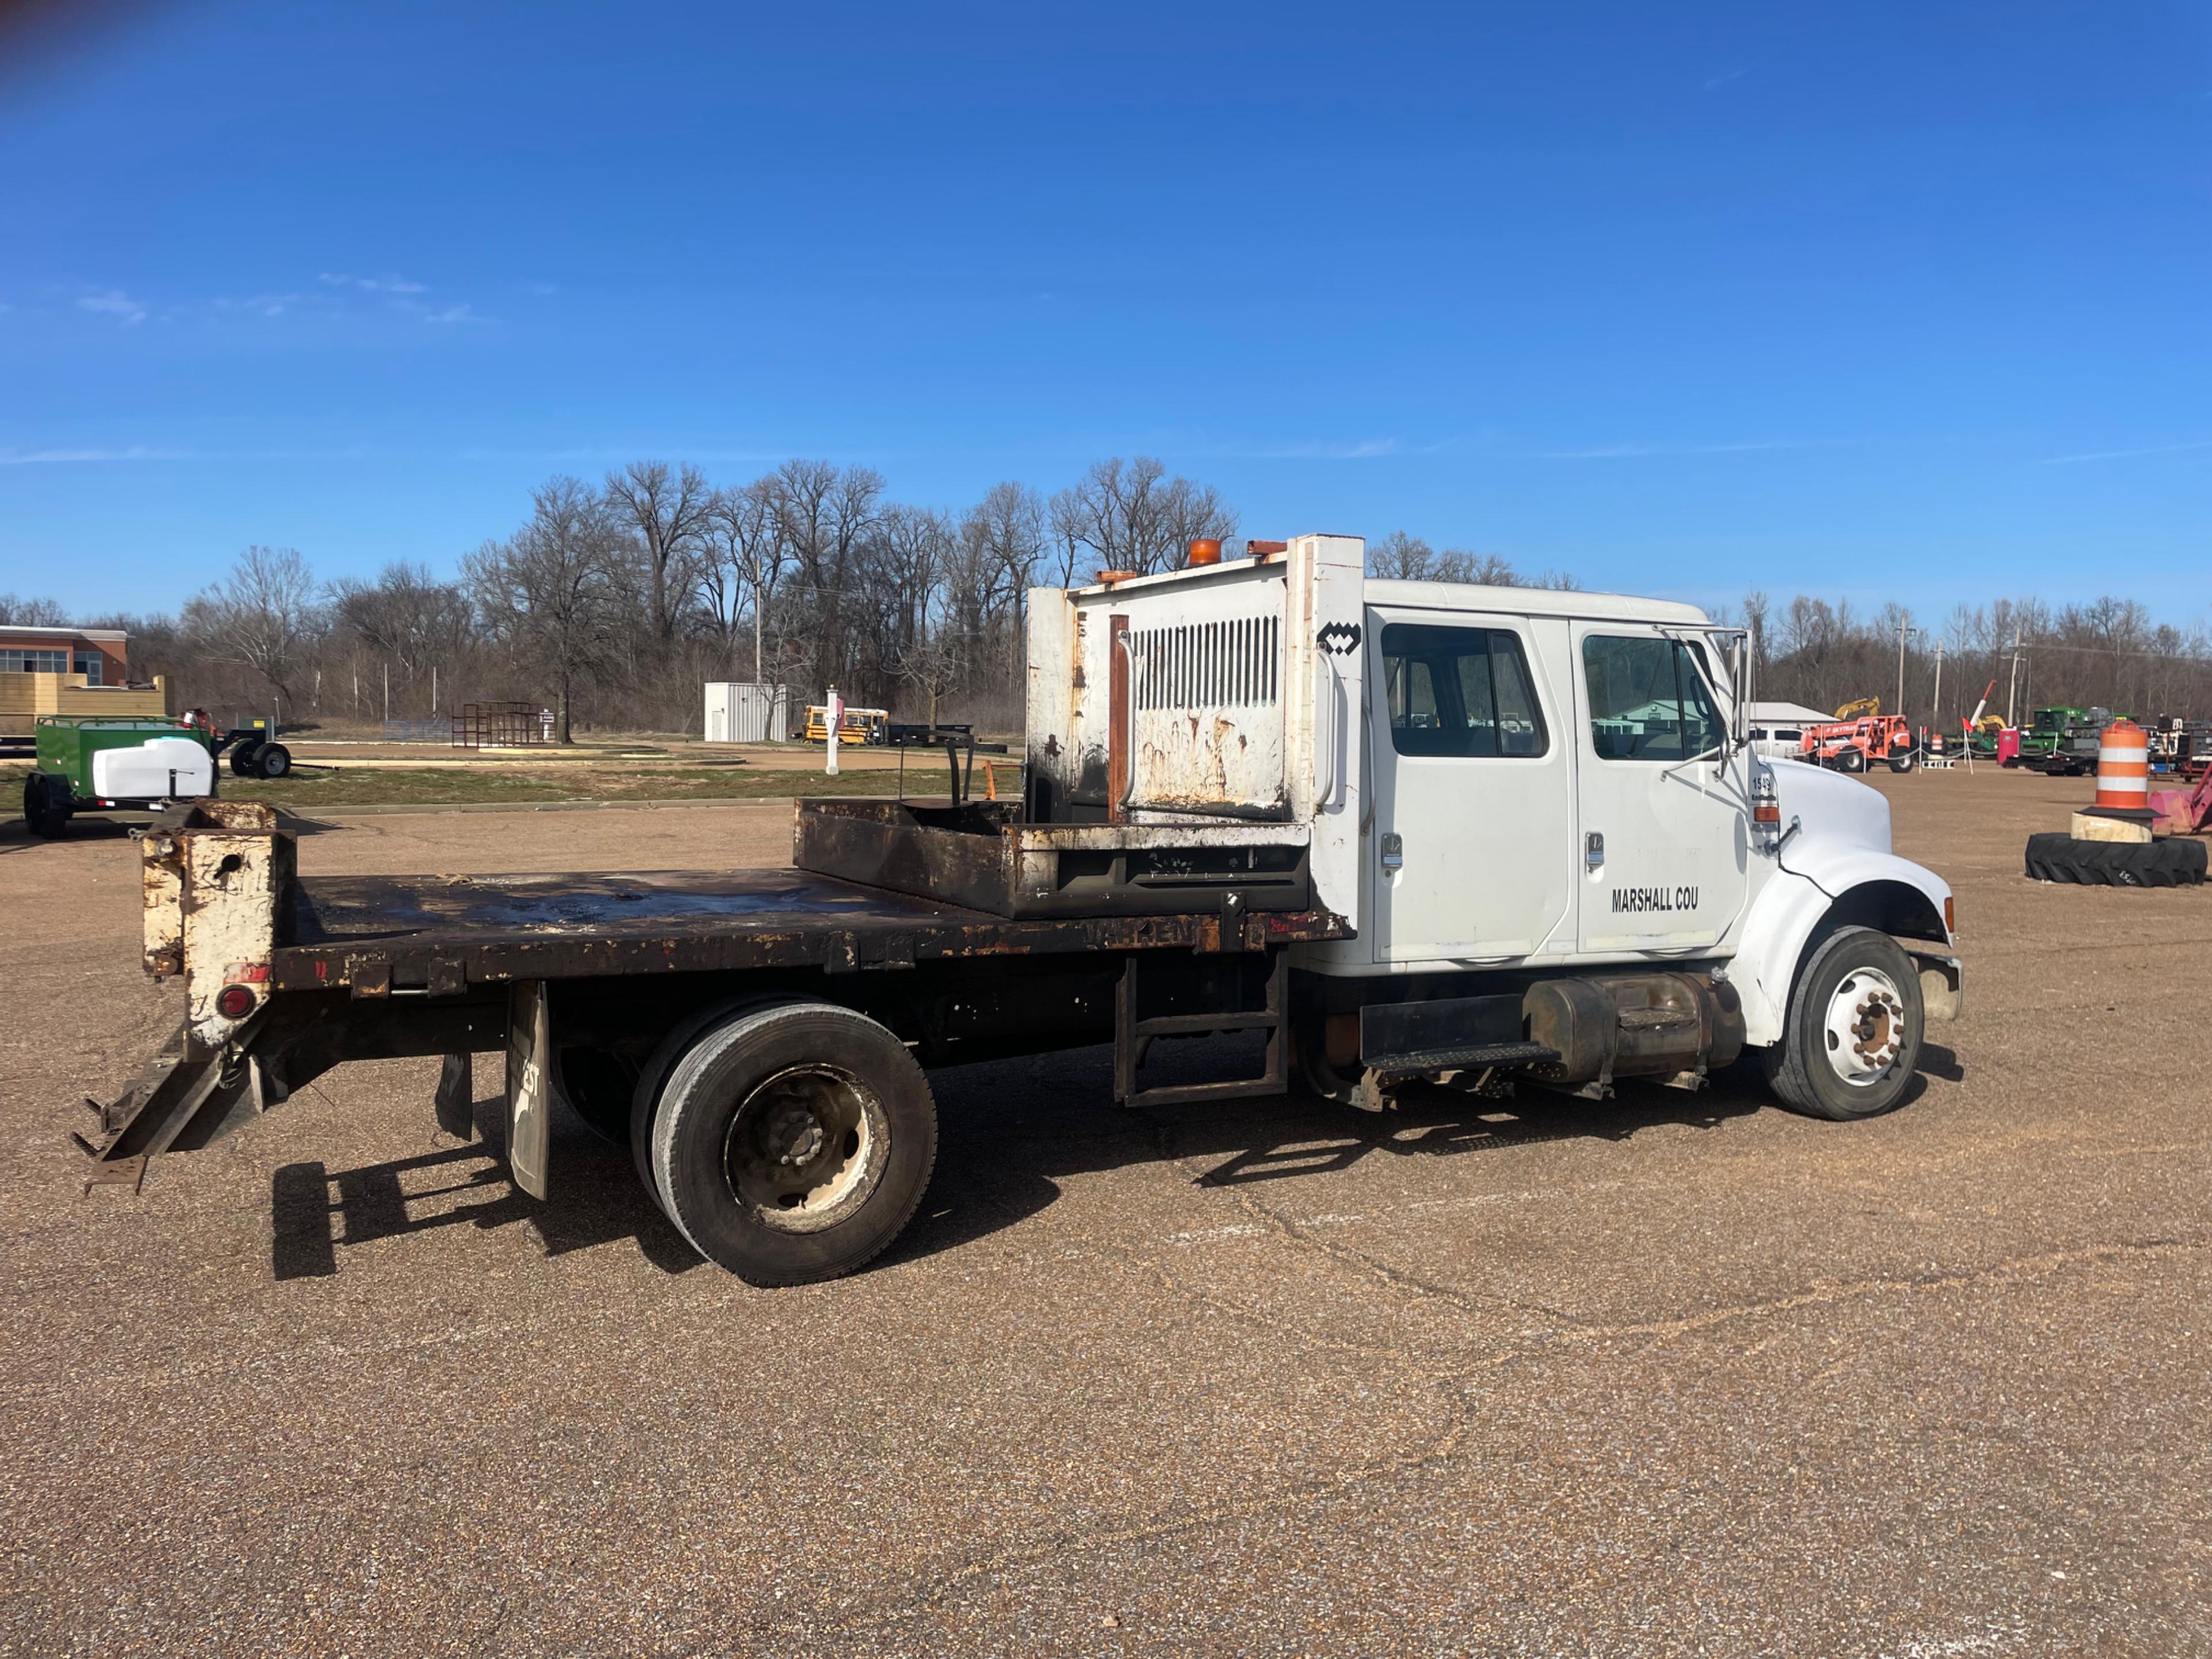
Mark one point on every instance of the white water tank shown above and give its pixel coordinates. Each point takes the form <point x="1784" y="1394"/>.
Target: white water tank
<point x="159" y="768"/>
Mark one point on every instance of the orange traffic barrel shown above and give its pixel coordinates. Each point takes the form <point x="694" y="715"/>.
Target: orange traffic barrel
<point x="2123" y="765"/>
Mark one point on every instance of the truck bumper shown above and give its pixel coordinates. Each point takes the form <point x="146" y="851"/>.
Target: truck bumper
<point x="1942" y="980"/>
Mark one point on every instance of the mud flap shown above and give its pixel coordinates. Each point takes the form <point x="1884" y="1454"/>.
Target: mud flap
<point x="529" y="1086"/>
<point x="455" y="1101"/>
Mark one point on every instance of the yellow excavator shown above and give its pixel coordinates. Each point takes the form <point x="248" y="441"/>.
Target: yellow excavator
<point x="1851" y="711"/>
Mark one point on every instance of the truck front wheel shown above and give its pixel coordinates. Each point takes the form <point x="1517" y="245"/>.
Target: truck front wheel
<point x="1851" y="1039"/>
<point x="794" y="1143"/>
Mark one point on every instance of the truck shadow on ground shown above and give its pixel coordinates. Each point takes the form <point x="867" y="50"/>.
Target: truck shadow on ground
<point x="1011" y="1133"/>
<point x="316" y="1212"/>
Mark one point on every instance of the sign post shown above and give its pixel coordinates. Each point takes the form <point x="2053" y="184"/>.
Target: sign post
<point x="836" y="716"/>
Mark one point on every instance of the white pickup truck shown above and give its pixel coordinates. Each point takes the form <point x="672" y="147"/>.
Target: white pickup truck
<point x="1407" y="832"/>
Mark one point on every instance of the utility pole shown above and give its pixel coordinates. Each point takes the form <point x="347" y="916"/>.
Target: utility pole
<point x="387" y="689"/>
<point x="1936" y="713"/>
<point x="2012" y="691"/>
<point x="1904" y="628"/>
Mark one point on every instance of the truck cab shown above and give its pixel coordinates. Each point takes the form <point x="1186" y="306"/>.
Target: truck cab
<point x="1497" y="789"/>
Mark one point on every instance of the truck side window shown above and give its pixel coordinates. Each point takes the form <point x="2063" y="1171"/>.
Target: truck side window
<point x="1459" y="691"/>
<point x="1647" y="702"/>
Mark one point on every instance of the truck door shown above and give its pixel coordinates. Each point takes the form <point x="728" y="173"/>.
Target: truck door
<point x="1472" y="853"/>
<point x="1665" y="822"/>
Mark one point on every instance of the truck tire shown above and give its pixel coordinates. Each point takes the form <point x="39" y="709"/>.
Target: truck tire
<point x="598" y="1084"/>
<point x="1901" y="763"/>
<point x="1851" y="760"/>
<point x="1851" y="1037"/>
<point x="794" y="1143"/>
<point x="2170" y="861"/>
<point x="241" y="758"/>
<point x="45" y="808"/>
<point x="271" y="760"/>
<point x="652" y="1077"/>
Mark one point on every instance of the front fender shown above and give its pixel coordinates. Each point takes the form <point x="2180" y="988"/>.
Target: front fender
<point x="1843" y="886"/>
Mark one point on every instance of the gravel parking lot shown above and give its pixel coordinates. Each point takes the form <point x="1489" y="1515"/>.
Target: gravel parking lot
<point x="1673" y="1373"/>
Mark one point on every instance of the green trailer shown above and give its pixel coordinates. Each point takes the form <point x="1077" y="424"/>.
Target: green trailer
<point x="2043" y="736"/>
<point x="103" y="763"/>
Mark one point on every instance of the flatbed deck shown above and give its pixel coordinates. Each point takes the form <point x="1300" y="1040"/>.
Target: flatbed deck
<point x="379" y="934"/>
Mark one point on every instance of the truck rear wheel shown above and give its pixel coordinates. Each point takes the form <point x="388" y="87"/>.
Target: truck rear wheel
<point x="1851" y="1038"/>
<point x="792" y="1143"/>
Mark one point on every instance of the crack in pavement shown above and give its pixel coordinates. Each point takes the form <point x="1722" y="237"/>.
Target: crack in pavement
<point x="1298" y="1235"/>
<point x="1445" y="1445"/>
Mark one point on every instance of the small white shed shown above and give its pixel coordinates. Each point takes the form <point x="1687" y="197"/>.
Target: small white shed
<point x="739" y="711"/>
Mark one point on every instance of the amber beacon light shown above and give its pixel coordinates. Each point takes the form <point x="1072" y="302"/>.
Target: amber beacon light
<point x="1204" y="550"/>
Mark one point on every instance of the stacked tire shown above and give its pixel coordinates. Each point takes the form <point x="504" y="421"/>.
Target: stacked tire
<point x="2169" y="862"/>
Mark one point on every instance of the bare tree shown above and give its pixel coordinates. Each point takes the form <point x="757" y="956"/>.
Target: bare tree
<point x="745" y="555"/>
<point x="405" y="617"/>
<point x="33" y="612"/>
<point x="551" y="592"/>
<point x="668" y="513"/>
<point x="263" y="615"/>
<point x="1133" y="517"/>
<point x="1002" y="543"/>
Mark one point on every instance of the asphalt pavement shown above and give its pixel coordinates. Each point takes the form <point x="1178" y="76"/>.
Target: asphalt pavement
<point x="1670" y="1374"/>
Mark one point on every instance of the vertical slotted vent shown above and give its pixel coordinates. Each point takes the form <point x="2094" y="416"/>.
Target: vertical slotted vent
<point x="1218" y="664"/>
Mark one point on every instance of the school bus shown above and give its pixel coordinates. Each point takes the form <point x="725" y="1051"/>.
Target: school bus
<point x="858" y="725"/>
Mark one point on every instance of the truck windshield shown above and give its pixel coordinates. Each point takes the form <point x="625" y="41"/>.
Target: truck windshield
<point x="1461" y="691"/>
<point x="1646" y="700"/>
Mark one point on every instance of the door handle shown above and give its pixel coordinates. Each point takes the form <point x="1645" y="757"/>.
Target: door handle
<point x="1594" y="850"/>
<point x="1394" y="850"/>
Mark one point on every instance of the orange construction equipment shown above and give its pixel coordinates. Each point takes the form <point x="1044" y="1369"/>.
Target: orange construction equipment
<point x="2124" y="766"/>
<point x="1856" y="746"/>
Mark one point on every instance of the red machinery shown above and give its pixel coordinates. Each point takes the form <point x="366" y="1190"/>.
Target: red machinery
<point x="2184" y="811"/>
<point x="1855" y="746"/>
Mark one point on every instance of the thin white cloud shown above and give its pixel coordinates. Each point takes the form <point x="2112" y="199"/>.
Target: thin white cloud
<point x="64" y="457"/>
<point x="541" y="288"/>
<point x="1633" y="451"/>
<point x="374" y="284"/>
<point x="113" y="303"/>
<point x="1363" y="449"/>
<point x="1720" y="81"/>
<point x="2126" y="454"/>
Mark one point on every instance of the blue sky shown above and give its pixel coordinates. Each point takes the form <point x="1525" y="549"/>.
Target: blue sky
<point x="1879" y="300"/>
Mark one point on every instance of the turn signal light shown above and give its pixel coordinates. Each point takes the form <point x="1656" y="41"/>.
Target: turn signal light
<point x="234" y="1001"/>
<point x="1950" y="915"/>
<point x="1768" y="812"/>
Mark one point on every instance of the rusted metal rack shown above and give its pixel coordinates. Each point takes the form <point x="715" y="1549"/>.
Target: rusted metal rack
<point x="498" y="725"/>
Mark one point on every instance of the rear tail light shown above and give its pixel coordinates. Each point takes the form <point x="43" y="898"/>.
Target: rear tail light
<point x="234" y="1001"/>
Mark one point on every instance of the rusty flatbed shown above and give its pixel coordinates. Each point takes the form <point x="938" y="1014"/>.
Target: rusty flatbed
<point x="441" y="934"/>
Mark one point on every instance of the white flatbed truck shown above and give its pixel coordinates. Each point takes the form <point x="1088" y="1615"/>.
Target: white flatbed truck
<point x="1408" y="832"/>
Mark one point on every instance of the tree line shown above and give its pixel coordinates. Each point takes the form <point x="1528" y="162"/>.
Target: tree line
<point x="2023" y="654"/>
<point x="612" y="604"/>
